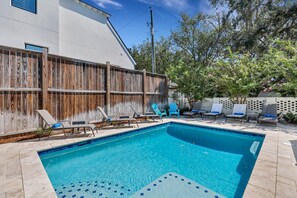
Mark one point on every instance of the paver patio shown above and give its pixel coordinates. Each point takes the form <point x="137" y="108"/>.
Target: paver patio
<point x="274" y="174"/>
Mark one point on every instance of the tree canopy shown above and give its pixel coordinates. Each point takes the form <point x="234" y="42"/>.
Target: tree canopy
<point x="243" y="48"/>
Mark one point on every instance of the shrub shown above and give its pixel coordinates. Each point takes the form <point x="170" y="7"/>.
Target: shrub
<point x="291" y="118"/>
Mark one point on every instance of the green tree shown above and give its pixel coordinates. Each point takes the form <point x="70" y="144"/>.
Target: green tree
<point x="243" y="75"/>
<point x="239" y="75"/>
<point x="282" y="58"/>
<point x="199" y="39"/>
<point x="197" y="42"/>
<point x="253" y="22"/>
<point x="190" y="81"/>
<point x="142" y="54"/>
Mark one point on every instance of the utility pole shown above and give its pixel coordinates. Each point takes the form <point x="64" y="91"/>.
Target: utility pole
<point x="153" y="42"/>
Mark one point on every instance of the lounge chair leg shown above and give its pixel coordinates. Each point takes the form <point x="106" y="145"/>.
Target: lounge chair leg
<point x="85" y="130"/>
<point x="137" y="124"/>
<point x="93" y="132"/>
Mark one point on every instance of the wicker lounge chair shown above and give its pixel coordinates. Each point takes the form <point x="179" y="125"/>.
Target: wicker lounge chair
<point x="216" y="110"/>
<point x="269" y="115"/>
<point x="114" y="120"/>
<point x="239" y="112"/>
<point x="58" y="125"/>
<point x="143" y="116"/>
<point x="195" y="111"/>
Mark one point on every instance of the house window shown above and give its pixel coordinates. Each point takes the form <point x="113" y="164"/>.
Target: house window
<point x="33" y="47"/>
<point x="28" y="5"/>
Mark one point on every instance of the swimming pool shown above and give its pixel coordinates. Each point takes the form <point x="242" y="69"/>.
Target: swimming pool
<point x="212" y="161"/>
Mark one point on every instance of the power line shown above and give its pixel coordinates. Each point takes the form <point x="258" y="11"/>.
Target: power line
<point x="132" y="20"/>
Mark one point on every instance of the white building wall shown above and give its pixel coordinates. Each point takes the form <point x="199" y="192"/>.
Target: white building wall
<point x="86" y="34"/>
<point x="66" y="28"/>
<point x="20" y="26"/>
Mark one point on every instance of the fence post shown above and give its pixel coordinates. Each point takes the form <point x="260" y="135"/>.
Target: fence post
<point x="144" y="91"/>
<point x="166" y="89"/>
<point x="44" y="78"/>
<point x="107" y="82"/>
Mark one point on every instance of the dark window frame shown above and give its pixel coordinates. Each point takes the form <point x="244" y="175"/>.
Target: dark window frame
<point x="28" y="44"/>
<point x="22" y="8"/>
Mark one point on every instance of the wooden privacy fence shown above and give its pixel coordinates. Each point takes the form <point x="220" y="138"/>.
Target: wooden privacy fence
<point x="69" y="89"/>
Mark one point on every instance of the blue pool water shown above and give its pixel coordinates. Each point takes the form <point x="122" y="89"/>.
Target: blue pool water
<point x="119" y="166"/>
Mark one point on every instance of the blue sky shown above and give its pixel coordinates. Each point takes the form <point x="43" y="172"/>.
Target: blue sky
<point x="131" y="17"/>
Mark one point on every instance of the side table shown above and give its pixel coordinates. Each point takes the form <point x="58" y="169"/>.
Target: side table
<point x="252" y="116"/>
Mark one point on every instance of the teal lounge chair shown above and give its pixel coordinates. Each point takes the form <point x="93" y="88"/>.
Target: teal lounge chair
<point x="158" y="112"/>
<point x="173" y="110"/>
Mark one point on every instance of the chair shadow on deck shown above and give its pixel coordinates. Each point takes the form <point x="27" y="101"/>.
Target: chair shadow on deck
<point x="294" y="148"/>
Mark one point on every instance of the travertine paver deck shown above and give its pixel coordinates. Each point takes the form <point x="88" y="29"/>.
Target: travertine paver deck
<point x="274" y="174"/>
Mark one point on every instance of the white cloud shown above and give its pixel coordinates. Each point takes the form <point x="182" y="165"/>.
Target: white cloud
<point x="172" y="4"/>
<point x="105" y="3"/>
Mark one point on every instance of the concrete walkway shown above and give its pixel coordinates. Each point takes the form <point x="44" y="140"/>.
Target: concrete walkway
<point x="274" y="174"/>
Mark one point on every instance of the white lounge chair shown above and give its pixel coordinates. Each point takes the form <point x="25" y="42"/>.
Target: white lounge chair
<point x="216" y="110"/>
<point x="239" y="112"/>
<point x="58" y="125"/>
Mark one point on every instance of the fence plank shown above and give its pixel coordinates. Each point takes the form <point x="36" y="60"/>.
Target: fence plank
<point x="44" y="78"/>
<point x="144" y="100"/>
<point x="67" y="88"/>
<point x="107" y="88"/>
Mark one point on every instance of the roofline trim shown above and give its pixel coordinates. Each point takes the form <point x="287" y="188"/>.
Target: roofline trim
<point x="121" y="42"/>
<point x="107" y="15"/>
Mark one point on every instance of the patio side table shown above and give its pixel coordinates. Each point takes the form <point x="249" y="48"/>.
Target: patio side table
<point x="78" y="122"/>
<point x="252" y="116"/>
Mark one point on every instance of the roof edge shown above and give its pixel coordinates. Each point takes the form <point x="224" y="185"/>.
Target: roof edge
<point x="107" y="15"/>
<point x="122" y="42"/>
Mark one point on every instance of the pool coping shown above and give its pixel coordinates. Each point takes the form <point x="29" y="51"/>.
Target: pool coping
<point x="97" y="139"/>
<point x="262" y="182"/>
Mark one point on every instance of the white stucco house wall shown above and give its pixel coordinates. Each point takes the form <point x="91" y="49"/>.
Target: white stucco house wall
<point x="67" y="28"/>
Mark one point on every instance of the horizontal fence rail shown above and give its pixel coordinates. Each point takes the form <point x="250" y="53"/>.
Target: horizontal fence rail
<point x="69" y="89"/>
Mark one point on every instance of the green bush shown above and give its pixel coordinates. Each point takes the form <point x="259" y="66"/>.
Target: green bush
<point x="291" y="118"/>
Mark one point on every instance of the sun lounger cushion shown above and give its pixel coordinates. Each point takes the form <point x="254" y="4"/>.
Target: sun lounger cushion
<point x="269" y="116"/>
<point x="57" y="125"/>
<point x="215" y="112"/>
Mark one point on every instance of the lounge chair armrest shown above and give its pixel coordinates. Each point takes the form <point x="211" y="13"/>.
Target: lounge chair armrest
<point x="149" y="113"/>
<point x="113" y="116"/>
<point x="68" y="121"/>
<point x="124" y="116"/>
